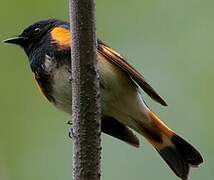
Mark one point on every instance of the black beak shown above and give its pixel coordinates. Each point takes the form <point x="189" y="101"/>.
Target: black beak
<point x="19" y="40"/>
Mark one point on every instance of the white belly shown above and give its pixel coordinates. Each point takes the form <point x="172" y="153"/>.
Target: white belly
<point x="62" y="89"/>
<point x="119" y="95"/>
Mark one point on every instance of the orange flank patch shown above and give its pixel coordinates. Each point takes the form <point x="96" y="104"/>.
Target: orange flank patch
<point x="163" y="127"/>
<point x="41" y="90"/>
<point x="61" y="36"/>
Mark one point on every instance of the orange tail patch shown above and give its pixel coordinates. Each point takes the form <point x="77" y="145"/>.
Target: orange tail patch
<point x="177" y="153"/>
<point x="160" y="125"/>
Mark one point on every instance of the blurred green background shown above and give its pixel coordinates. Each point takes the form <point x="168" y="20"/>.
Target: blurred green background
<point x="170" y="42"/>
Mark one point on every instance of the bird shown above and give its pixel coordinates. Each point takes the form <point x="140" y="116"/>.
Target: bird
<point x="123" y="109"/>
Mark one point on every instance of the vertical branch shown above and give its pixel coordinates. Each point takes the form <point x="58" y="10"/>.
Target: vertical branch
<point x="85" y="92"/>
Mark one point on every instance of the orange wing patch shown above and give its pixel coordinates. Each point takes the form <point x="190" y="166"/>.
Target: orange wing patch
<point x="62" y="37"/>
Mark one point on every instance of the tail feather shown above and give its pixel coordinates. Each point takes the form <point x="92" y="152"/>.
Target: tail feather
<point x="178" y="154"/>
<point x="190" y="154"/>
<point x="175" y="161"/>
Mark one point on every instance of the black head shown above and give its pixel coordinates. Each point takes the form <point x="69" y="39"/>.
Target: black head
<point x="34" y="35"/>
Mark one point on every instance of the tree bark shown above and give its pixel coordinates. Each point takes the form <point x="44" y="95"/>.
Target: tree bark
<point x="86" y="112"/>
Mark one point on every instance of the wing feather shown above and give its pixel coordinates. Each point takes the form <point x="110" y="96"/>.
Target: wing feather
<point x="121" y="62"/>
<point x="118" y="130"/>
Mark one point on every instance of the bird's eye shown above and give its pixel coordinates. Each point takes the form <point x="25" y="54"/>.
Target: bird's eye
<point x="37" y="30"/>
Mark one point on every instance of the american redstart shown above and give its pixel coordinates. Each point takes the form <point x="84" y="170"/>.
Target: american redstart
<point x="47" y="45"/>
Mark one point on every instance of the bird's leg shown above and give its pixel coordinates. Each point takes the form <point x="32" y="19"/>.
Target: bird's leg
<point x="70" y="134"/>
<point x="69" y="122"/>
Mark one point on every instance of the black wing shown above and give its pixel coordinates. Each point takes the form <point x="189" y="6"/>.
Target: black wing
<point x="118" y="130"/>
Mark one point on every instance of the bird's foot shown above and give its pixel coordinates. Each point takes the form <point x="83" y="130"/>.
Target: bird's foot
<point x="70" y="133"/>
<point x="69" y="122"/>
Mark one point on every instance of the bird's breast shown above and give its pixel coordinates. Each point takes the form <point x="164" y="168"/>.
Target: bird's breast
<point x="61" y="88"/>
<point x="117" y="89"/>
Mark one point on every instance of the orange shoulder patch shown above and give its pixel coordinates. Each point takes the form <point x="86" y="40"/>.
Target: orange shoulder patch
<point x="62" y="37"/>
